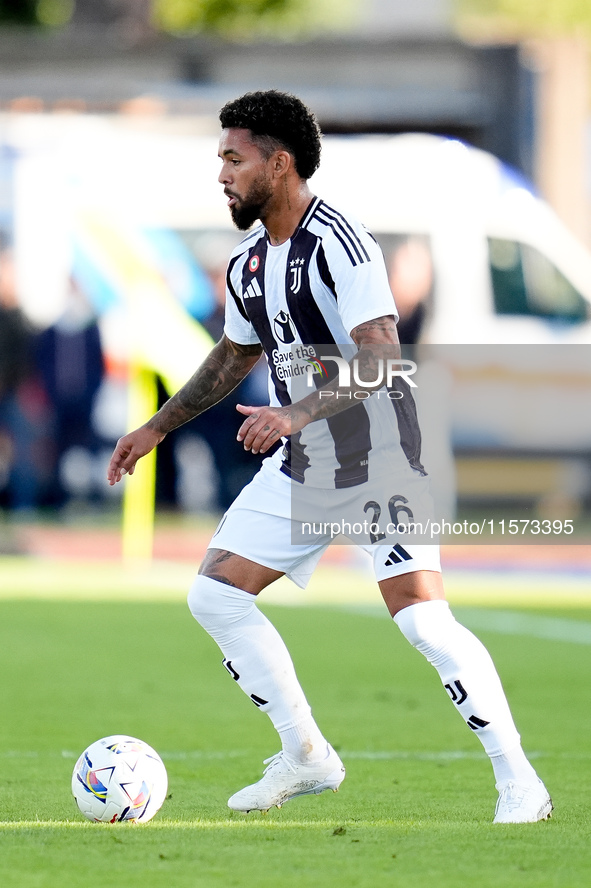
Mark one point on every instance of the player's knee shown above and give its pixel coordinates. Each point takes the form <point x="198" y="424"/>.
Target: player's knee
<point x="426" y="623"/>
<point x="214" y="604"/>
<point x="204" y="600"/>
<point x="433" y="630"/>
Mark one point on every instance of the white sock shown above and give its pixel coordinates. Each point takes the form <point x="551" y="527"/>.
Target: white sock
<point x="258" y="660"/>
<point x="466" y="671"/>
<point x="513" y="765"/>
<point x="304" y="742"/>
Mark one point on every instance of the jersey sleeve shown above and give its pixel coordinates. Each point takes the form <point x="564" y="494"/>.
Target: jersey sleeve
<point x="358" y="270"/>
<point x="237" y="326"/>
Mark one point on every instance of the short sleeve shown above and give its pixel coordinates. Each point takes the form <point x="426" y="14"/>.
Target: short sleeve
<point x="360" y="278"/>
<point x="237" y="326"/>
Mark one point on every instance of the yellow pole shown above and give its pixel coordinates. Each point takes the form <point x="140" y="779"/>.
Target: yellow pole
<point x="162" y="336"/>
<point x="140" y="489"/>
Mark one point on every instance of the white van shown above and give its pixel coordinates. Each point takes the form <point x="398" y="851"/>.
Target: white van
<point x="505" y="268"/>
<point x="502" y="292"/>
<point x="491" y="261"/>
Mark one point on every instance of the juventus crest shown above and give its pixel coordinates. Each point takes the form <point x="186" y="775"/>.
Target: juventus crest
<point x="296" y="274"/>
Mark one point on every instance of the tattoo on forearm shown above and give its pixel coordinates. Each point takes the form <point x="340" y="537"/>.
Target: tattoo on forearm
<point x="378" y="330"/>
<point x="377" y="340"/>
<point x="223" y="369"/>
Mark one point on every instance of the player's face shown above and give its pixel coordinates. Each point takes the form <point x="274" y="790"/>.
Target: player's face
<point x="245" y="177"/>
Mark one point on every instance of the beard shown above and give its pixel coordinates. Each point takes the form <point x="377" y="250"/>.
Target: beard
<point x="250" y="208"/>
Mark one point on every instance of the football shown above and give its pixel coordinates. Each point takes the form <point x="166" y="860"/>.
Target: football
<point x="119" y="778"/>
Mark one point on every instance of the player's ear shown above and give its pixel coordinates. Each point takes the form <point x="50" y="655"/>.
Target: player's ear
<point x="282" y="162"/>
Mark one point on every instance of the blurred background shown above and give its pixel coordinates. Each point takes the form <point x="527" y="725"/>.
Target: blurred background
<point x="457" y="129"/>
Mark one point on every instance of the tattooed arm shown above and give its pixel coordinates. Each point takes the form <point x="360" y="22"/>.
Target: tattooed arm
<point x="376" y="340"/>
<point x="224" y="368"/>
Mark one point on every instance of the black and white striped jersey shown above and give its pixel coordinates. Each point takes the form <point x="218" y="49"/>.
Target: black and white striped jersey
<point x="311" y="291"/>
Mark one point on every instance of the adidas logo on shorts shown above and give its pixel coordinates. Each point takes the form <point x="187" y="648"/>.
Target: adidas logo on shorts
<point x="397" y="555"/>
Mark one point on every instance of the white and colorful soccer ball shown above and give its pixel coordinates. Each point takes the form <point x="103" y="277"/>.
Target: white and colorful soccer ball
<point x="119" y="778"/>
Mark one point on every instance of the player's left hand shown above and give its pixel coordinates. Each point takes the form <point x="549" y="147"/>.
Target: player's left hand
<point x="264" y="427"/>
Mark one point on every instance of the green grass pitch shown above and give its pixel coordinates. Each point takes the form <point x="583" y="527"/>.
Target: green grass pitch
<point x="417" y="804"/>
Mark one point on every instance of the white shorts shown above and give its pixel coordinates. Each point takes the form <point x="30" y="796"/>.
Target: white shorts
<point x="259" y="526"/>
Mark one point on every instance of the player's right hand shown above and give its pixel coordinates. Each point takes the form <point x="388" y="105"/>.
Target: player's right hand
<point x="129" y="449"/>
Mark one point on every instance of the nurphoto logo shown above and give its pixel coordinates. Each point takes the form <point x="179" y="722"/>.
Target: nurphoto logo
<point x="386" y="372"/>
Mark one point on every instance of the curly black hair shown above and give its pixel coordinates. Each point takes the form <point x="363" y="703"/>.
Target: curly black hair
<point x="277" y="120"/>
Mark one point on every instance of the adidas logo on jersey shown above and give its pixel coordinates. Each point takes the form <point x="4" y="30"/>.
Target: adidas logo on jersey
<point x="253" y="290"/>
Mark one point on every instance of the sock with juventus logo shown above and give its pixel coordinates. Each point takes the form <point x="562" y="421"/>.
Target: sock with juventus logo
<point x="256" y="657"/>
<point x="471" y="681"/>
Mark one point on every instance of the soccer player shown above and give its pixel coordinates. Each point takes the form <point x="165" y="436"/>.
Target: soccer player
<point x="305" y="275"/>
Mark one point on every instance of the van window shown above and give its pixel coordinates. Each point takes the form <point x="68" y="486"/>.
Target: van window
<point x="525" y="282"/>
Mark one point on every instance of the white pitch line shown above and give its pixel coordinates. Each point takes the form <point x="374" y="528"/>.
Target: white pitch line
<point x="349" y="754"/>
<point x="508" y="622"/>
<point x="244" y="822"/>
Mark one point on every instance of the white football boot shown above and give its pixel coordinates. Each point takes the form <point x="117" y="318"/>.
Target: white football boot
<point x="522" y="803"/>
<point x="285" y="779"/>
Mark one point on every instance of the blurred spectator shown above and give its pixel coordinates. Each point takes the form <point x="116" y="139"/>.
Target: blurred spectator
<point x="23" y="418"/>
<point x="235" y="465"/>
<point x="206" y="448"/>
<point x="70" y="363"/>
<point x="411" y="282"/>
